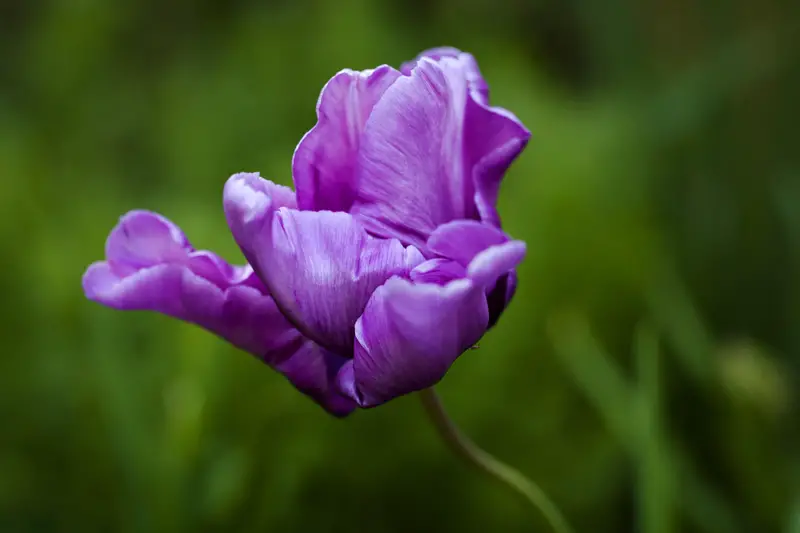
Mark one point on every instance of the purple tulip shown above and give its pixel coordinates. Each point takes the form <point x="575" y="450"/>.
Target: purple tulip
<point x="384" y="268"/>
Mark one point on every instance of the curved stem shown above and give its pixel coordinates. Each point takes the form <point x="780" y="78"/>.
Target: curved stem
<point x="469" y="451"/>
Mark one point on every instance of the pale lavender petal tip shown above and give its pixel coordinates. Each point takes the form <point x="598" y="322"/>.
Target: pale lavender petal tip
<point x="465" y="63"/>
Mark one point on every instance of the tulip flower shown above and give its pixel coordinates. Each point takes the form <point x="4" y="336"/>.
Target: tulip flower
<point x="385" y="264"/>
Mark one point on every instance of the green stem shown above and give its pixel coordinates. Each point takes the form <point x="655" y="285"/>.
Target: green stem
<point x="469" y="451"/>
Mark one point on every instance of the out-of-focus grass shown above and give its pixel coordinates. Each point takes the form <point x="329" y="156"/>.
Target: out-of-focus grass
<point x="645" y="374"/>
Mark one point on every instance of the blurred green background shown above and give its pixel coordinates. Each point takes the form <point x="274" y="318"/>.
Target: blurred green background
<point x="645" y="374"/>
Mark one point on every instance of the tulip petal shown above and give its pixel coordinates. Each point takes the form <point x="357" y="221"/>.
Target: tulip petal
<point x="150" y="265"/>
<point x="324" y="161"/>
<point x="466" y="62"/>
<point x="312" y="370"/>
<point x="462" y="240"/>
<point x="493" y="138"/>
<point x="408" y="337"/>
<point x="321" y="267"/>
<point x="410" y="165"/>
<point x="249" y="202"/>
<point x="411" y="332"/>
<point x="431" y="152"/>
<point x="438" y="270"/>
<point x="495" y="261"/>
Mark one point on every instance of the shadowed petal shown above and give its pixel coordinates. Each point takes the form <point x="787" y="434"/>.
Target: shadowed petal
<point x="438" y="270"/>
<point x="323" y="164"/>
<point x="312" y="370"/>
<point x="463" y="240"/>
<point x="484" y="250"/>
<point x="150" y="265"/>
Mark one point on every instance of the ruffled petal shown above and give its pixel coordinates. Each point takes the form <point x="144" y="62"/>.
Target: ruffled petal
<point x="410" y="165"/>
<point x="150" y="265"/>
<point x="494" y="137"/>
<point x="249" y="202"/>
<point x="324" y="162"/>
<point x="433" y="151"/>
<point x="466" y="62"/>
<point x="411" y="332"/>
